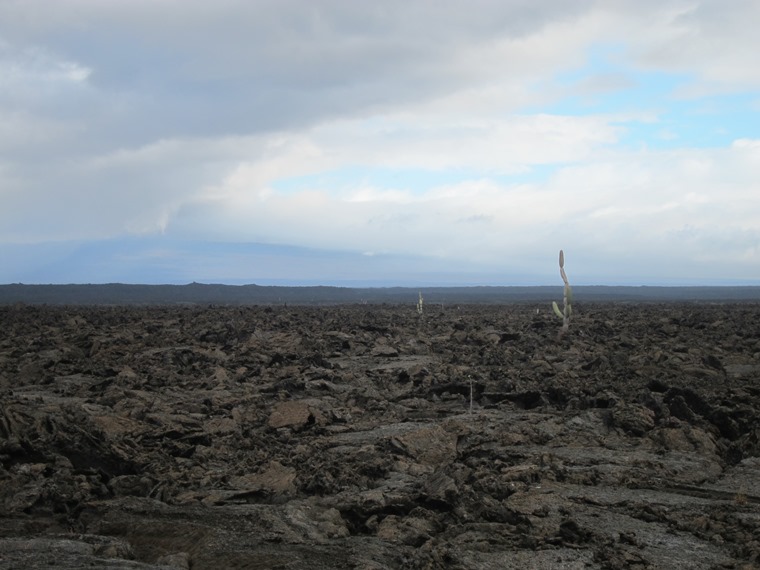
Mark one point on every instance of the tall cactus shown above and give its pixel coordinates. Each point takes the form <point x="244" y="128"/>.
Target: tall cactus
<point x="567" y="298"/>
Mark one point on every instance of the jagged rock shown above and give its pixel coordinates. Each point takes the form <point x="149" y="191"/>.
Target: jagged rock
<point x="295" y="414"/>
<point x="432" y="446"/>
<point x="276" y="478"/>
<point x="343" y="437"/>
<point x="384" y="350"/>
<point x="634" y="419"/>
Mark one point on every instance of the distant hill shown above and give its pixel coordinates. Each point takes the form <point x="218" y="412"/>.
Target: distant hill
<point x="197" y="293"/>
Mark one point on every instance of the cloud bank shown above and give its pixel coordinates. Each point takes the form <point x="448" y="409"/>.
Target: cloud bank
<point x="480" y="138"/>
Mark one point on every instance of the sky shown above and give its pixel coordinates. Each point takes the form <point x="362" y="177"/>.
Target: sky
<point x="358" y="143"/>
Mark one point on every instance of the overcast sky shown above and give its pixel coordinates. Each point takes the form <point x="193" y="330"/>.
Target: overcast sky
<point x="393" y="142"/>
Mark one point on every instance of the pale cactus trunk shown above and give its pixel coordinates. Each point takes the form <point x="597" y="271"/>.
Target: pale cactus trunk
<point x="567" y="297"/>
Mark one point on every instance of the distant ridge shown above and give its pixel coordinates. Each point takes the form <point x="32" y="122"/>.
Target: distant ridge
<point x="197" y="293"/>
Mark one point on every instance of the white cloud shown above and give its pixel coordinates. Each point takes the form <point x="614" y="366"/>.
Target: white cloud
<point x="120" y="192"/>
<point x="630" y="204"/>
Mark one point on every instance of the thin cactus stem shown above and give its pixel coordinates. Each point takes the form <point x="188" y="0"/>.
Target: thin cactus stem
<point x="567" y="297"/>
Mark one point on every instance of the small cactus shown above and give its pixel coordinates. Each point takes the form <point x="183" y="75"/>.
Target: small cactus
<point x="419" y="305"/>
<point x="567" y="298"/>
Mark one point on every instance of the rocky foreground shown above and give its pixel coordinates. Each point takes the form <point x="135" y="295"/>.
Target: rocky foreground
<point x="370" y="437"/>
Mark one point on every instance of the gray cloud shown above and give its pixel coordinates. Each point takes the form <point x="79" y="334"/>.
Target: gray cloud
<point x="161" y="69"/>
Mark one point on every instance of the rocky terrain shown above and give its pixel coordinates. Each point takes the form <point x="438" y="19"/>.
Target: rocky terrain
<point x="369" y="437"/>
